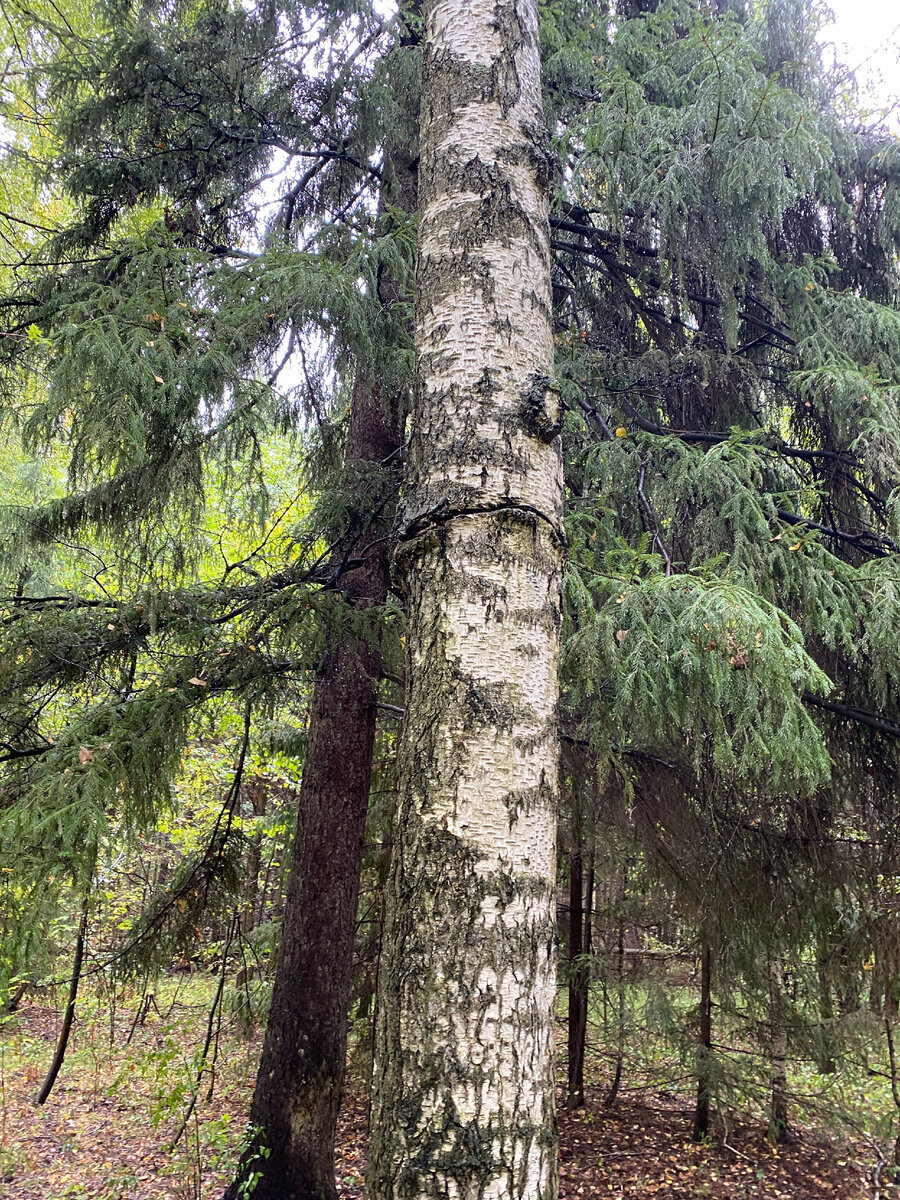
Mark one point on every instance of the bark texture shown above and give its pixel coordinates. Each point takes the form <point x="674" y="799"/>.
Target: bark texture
<point x="463" y="1093"/>
<point x="298" y="1086"/>
<point x="610" y="1098"/>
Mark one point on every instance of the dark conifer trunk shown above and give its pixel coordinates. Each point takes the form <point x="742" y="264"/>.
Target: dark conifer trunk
<point x="779" y="1128"/>
<point x="827" y="1064"/>
<point x="579" y="949"/>
<point x="577" y="980"/>
<point x="890" y="1015"/>
<point x="701" y="1112"/>
<point x="298" y="1086"/>
<point x="613" y="1092"/>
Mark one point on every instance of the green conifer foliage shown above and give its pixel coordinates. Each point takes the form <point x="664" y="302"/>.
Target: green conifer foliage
<point x="731" y="378"/>
<point x="181" y="335"/>
<point x="727" y="282"/>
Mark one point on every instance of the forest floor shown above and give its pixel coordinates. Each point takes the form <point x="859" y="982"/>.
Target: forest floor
<point x="644" y="1148"/>
<point x="126" y="1084"/>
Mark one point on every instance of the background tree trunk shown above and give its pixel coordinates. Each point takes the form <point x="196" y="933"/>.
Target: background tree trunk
<point x="71" y="1000"/>
<point x="463" y="1094"/>
<point x="779" y="1129"/>
<point x="298" y="1085"/>
<point x="701" y="1111"/>
<point x="578" y="979"/>
<point x="890" y="1014"/>
<point x="256" y="791"/>
<point x="612" y="1093"/>
<point x="827" y="1064"/>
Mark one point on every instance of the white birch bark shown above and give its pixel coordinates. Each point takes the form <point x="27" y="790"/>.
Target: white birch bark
<point x="463" y="1097"/>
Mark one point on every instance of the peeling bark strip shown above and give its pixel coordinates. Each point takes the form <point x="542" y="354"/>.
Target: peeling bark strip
<point x="463" y="1094"/>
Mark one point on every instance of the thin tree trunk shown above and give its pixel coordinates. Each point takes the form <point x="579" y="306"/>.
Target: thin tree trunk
<point x="827" y="1064"/>
<point x="890" y="1013"/>
<point x="298" y="1086"/>
<point x="577" y="978"/>
<point x="779" y="1128"/>
<point x="212" y="1024"/>
<point x="257" y="794"/>
<point x="701" y="1111"/>
<point x="613" y="1092"/>
<point x="69" y="1014"/>
<point x="589" y="909"/>
<point x="463" y="1092"/>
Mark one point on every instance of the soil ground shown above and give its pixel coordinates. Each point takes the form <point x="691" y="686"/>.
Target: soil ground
<point x="104" y="1131"/>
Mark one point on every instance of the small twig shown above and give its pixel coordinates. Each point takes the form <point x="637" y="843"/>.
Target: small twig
<point x="654" y="525"/>
<point x="876" y="1173"/>
<point x="739" y="1153"/>
<point x="210" y="1027"/>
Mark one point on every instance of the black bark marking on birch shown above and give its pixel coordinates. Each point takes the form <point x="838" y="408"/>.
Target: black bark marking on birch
<point x="442" y="275"/>
<point x="540" y="411"/>
<point x="520" y="803"/>
<point x="442" y="514"/>
<point x="513" y="37"/>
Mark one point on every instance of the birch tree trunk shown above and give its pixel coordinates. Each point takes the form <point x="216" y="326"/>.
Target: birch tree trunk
<point x="463" y="1094"/>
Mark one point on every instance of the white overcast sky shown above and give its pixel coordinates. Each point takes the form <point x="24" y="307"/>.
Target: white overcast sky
<point x="867" y="36"/>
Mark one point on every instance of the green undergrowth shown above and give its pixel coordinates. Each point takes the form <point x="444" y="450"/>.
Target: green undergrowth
<point x="848" y="1099"/>
<point x="123" y="1095"/>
